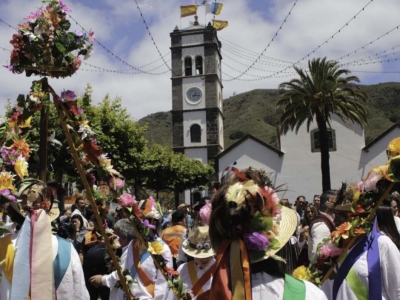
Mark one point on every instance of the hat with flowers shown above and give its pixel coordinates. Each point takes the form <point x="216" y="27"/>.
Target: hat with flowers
<point x="248" y="224"/>
<point x="198" y="243"/>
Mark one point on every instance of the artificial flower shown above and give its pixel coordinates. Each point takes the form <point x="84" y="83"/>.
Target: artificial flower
<point x="205" y="213"/>
<point x="156" y="248"/>
<point x="89" y="53"/>
<point x="359" y="209"/>
<point x="7" y="194"/>
<point x="6" y="181"/>
<point x="91" y="178"/>
<point x="256" y="241"/>
<point x="116" y="183"/>
<point x="126" y="200"/>
<point x="271" y="195"/>
<point x="63" y="7"/>
<point x="68" y="96"/>
<point x="9" y="156"/>
<point x="171" y="271"/>
<point x="21" y="167"/>
<point x="22" y="146"/>
<point x="359" y="230"/>
<point x="91" y="36"/>
<point x="342" y="231"/>
<point x="146" y="223"/>
<point x="329" y="249"/>
<point x="25" y="123"/>
<point x="77" y="63"/>
<point x="303" y="273"/>
<point x="92" y="151"/>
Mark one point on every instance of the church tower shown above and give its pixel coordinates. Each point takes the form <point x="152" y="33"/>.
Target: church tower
<point x="197" y="112"/>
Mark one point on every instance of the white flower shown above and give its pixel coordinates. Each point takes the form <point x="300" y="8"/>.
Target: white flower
<point x="185" y="289"/>
<point x="128" y="278"/>
<point x="109" y="231"/>
<point x="34" y="98"/>
<point x="89" y="52"/>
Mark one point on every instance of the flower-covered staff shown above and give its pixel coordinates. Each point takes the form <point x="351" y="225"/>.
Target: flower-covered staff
<point x="247" y="227"/>
<point x="44" y="46"/>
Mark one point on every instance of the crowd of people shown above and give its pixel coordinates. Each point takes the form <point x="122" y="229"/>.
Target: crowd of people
<point x="242" y="243"/>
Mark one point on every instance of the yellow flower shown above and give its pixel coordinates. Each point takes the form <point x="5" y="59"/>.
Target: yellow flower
<point x="21" y="167"/>
<point x="25" y="123"/>
<point x="6" y="181"/>
<point x="303" y="273"/>
<point x="156" y="247"/>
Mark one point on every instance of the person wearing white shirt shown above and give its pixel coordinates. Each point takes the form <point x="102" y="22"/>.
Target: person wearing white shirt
<point x="388" y="241"/>
<point x="127" y="238"/>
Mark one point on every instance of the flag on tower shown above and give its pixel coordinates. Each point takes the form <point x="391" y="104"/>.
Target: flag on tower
<point x="188" y="10"/>
<point x="213" y="8"/>
<point x="219" y="25"/>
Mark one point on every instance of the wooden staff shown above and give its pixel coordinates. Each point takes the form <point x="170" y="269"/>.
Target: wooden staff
<point x="89" y="192"/>
<point x="355" y="238"/>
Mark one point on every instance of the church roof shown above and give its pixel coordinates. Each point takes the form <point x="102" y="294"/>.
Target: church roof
<point x="249" y="136"/>
<point x="194" y="27"/>
<point x="379" y="137"/>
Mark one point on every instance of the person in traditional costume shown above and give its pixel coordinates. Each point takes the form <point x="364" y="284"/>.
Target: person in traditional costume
<point x="148" y="282"/>
<point x="371" y="268"/>
<point x="31" y="269"/>
<point x="247" y="228"/>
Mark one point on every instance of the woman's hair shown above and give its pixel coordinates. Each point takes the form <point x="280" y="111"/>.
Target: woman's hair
<point x="386" y="222"/>
<point x="285" y="202"/>
<point x="79" y="217"/>
<point x="306" y="221"/>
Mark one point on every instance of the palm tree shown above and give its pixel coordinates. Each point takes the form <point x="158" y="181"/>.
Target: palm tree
<point x="320" y="92"/>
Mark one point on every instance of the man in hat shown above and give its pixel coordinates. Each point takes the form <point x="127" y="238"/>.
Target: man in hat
<point x="247" y="228"/>
<point x="174" y="234"/>
<point x="29" y="269"/>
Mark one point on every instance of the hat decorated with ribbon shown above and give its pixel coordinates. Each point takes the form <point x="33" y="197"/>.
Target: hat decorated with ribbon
<point x="247" y="224"/>
<point x="198" y="243"/>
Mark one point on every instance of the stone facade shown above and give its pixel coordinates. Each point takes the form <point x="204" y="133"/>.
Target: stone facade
<point x="177" y="129"/>
<point x="177" y="96"/>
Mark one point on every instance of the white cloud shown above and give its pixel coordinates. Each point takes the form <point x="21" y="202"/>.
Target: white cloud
<point x="118" y="25"/>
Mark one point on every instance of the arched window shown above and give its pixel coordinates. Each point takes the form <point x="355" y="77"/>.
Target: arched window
<point x="199" y="65"/>
<point x="315" y="140"/>
<point x="188" y="66"/>
<point x="195" y="133"/>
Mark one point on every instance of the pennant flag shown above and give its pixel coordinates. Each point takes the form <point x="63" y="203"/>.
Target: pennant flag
<point x="213" y="8"/>
<point x="219" y="25"/>
<point x="188" y="10"/>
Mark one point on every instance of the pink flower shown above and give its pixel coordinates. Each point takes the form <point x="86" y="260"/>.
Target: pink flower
<point x="126" y="200"/>
<point x="205" y="213"/>
<point x="370" y="183"/>
<point x="272" y="196"/>
<point x="91" y="36"/>
<point x="360" y="186"/>
<point x="148" y="224"/>
<point x="77" y="63"/>
<point x="116" y="183"/>
<point x="329" y="250"/>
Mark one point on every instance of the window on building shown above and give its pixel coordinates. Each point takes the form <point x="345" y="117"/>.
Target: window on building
<point x="315" y="140"/>
<point x="188" y="66"/>
<point x="195" y="133"/>
<point x="199" y="65"/>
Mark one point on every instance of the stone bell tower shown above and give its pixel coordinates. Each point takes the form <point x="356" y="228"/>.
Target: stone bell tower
<point x="197" y="110"/>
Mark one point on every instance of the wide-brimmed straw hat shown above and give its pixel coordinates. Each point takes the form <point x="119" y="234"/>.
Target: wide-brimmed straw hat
<point x="198" y="244"/>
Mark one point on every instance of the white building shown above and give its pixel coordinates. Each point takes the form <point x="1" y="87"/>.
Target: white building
<point x="297" y="164"/>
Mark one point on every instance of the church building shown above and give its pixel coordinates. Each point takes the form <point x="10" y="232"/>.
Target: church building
<point x="197" y="116"/>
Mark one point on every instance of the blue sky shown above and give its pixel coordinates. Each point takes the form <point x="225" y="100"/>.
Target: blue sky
<point x="252" y="25"/>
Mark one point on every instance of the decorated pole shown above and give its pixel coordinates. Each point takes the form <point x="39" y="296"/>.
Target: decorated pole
<point x="356" y="237"/>
<point x="89" y="194"/>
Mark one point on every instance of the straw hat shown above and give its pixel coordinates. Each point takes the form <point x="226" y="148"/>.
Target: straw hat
<point x="198" y="244"/>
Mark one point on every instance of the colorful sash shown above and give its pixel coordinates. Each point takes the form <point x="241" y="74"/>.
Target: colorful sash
<point x="294" y="289"/>
<point x="137" y="268"/>
<point x="368" y="243"/>
<point x="60" y="263"/>
<point x="7" y="254"/>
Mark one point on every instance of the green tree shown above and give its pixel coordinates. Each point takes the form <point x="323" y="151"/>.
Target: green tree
<point x="320" y="92"/>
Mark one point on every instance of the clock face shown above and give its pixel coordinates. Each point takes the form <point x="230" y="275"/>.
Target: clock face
<point x="194" y="94"/>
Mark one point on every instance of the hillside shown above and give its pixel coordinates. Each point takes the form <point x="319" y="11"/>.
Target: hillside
<point x="255" y="112"/>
